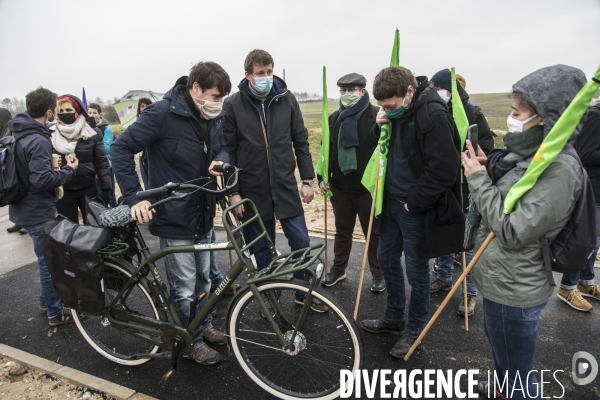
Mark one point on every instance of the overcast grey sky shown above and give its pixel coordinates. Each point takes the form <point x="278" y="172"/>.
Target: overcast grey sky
<point x="112" y="46"/>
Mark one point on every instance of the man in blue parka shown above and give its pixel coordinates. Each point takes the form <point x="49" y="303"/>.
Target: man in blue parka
<point x="183" y="135"/>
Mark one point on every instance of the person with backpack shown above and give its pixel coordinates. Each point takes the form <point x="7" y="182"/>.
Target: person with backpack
<point x="33" y="166"/>
<point x="511" y="275"/>
<point x="443" y="281"/>
<point x="76" y="134"/>
<point x="95" y="111"/>
<point x="574" y="286"/>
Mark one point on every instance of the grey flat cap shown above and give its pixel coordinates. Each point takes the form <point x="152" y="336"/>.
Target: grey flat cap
<point x="352" y="80"/>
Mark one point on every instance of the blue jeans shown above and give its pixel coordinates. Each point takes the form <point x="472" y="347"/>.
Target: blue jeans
<point x="111" y="196"/>
<point x="216" y="277"/>
<point x="401" y="232"/>
<point x="49" y="296"/>
<point x="294" y="229"/>
<point x="446" y="266"/>
<point x="512" y="333"/>
<point x="585" y="277"/>
<point x="187" y="274"/>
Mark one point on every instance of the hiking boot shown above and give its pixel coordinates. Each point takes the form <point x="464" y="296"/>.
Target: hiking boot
<point x="438" y="285"/>
<point x="64" y="317"/>
<point x="14" y="228"/>
<point x="592" y="291"/>
<point x="333" y="279"/>
<point x="470" y="305"/>
<point x="378" y="285"/>
<point x="382" y="326"/>
<point x="214" y="336"/>
<point x="403" y="345"/>
<point x="204" y="355"/>
<point x="43" y="307"/>
<point x="574" y="299"/>
<point x="315" y="305"/>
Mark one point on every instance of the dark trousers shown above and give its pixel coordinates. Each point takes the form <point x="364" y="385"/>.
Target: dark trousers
<point x="74" y="200"/>
<point x="111" y="196"/>
<point x="345" y="208"/>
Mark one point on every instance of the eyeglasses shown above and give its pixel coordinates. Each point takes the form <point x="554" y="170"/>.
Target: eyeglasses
<point x="349" y="90"/>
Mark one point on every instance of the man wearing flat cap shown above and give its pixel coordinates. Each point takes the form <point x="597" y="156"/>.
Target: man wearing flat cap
<point x="353" y="137"/>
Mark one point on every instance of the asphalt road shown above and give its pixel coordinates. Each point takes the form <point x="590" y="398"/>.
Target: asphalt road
<point x="563" y="331"/>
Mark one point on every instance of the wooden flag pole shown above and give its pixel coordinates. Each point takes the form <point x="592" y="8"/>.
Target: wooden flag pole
<point x="449" y="296"/>
<point x="368" y="240"/>
<point x="465" y="299"/>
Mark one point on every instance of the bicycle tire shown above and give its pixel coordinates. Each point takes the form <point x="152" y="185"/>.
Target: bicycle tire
<point x="110" y="342"/>
<point x="333" y="343"/>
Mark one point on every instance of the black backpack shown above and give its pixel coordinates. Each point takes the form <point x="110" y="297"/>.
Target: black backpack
<point x="12" y="189"/>
<point x="571" y="249"/>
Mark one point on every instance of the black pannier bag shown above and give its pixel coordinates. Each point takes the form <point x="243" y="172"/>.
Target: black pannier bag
<point x="76" y="269"/>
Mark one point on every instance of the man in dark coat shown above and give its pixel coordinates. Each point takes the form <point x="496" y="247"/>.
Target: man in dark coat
<point x="34" y="165"/>
<point x="353" y="138"/>
<point x="266" y="137"/>
<point x="183" y="135"/>
<point x="445" y="264"/>
<point x="422" y="180"/>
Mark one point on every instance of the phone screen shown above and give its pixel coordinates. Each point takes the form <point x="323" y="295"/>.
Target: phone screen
<point x="473" y="136"/>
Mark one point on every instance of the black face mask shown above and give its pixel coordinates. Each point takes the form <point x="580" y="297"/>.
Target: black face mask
<point x="67" y="119"/>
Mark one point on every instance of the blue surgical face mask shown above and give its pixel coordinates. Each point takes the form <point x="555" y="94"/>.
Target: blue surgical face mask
<point x="263" y="84"/>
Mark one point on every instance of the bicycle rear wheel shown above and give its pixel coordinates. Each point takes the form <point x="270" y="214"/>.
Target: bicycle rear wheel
<point x="328" y="343"/>
<point x="112" y="343"/>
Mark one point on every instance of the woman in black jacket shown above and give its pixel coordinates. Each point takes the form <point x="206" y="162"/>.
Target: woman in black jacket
<point x="76" y="135"/>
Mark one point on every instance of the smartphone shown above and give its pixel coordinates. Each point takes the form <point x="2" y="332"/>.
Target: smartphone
<point x="473" y="136"/>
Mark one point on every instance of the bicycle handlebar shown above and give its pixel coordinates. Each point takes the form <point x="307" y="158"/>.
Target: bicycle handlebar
<point x="225" y="167"/>
<point x="150" y="193"/>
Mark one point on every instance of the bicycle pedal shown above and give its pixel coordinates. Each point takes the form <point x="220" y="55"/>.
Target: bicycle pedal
<point x="166" y="376"/>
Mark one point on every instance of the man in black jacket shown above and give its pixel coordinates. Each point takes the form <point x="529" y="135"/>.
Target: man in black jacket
<point x="34" y="165"/>
<point x="445" y="263"/>
<point x="266" y="137"/>
<point x="183" y="136"/>
<point x="353" y="137"/>
<point x="422" y="177"/>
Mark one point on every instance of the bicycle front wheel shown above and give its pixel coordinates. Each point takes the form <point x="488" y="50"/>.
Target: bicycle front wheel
<point x="112" y="343"/>
<point x="327" y="343"/>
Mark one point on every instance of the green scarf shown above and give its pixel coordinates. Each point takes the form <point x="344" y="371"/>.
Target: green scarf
<point x="347" y="157"/>
<point x="525" y="143"/>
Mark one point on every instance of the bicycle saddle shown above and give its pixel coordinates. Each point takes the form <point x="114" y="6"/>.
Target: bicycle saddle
<point x="116" y="217"/>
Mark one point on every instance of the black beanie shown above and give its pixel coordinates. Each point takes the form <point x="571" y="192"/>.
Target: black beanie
<point x="443" y="79"/>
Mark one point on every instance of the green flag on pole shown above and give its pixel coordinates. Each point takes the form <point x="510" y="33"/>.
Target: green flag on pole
<point x="377" y="165"/>
<point x="458" y="112"/>
<point x="554" y="142"/>
<point x="323" y="161"/>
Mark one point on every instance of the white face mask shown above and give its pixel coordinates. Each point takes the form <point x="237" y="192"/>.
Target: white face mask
<point x="444" y="95"/>
<point x="210" y="109"/>
<point x="514" y="125"/>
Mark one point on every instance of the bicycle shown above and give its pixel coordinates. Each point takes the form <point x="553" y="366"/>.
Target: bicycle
<point x="284" y="348"/>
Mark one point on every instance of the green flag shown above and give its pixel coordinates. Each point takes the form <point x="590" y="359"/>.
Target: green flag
<point x="377" y="166"/>
<point x="554" y="142"/>
<point x="323" y="161"/>
<point x="458" y="112"/>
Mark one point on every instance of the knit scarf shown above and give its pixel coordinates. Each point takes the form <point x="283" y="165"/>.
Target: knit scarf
<point x="65" y="137"/>
<point x="348" y="126"/>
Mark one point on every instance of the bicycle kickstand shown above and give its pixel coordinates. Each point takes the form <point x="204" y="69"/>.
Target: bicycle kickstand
<point x="178" y="344"/>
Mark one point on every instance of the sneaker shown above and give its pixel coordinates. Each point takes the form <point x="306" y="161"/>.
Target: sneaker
<point x="382" y="326"/>
<point x="574" y="299"/>
<point x="215" y="336"/>
<point x="204" y="355"/>
<point x="14" y="228"/>
<point x="592" y="291"/>
<point x="64" y="317"/>
<point x="438" y="285"/>
<point x="315" y="305"/>
<point x="43" y="307"/>
<point x="378" y="285"/>
<point x="333" y="279"/>
<point x="434" y="266"/>
<point x="403" y="345"/>
<point x="470" y="305"/>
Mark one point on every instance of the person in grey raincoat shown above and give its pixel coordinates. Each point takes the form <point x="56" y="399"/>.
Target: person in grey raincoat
<point x="510" y="273"/>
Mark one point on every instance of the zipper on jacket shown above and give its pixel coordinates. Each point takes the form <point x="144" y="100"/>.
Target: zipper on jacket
<point x="264" y="131"/>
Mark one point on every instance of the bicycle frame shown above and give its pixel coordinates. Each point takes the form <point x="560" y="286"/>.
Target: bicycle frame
<point x="161" y="332"/>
